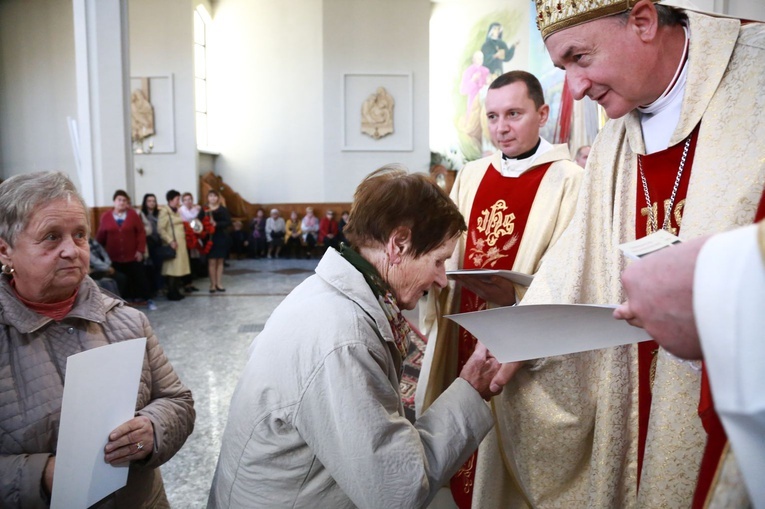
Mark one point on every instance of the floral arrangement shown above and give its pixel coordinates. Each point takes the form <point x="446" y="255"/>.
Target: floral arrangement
<point x="201" y="241"/>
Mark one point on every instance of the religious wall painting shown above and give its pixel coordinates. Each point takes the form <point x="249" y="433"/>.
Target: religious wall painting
<point x="489" y="51"/>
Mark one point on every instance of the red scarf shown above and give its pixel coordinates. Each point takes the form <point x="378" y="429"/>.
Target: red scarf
<point x="55" y="310"/>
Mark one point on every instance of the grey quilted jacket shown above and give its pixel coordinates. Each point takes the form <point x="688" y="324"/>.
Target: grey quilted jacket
<point x="33" y="353"/>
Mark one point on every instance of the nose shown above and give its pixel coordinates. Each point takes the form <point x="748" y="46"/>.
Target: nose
<point x="504" y="124"/>
<point x="441" y="278"/>
<point x="577" y="84"/>
<point x="68" y="247"/>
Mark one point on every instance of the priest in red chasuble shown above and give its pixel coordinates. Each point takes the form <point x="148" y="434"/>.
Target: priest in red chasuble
<point x="518" y="201"/>
<point x="635" y="426"/>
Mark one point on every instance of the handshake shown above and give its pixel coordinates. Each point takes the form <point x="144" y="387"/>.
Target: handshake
<point x="484" y="372"/>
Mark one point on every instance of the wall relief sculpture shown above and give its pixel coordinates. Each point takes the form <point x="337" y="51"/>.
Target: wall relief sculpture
<point x="141" y="112"/>
<point x="377" y="114"/>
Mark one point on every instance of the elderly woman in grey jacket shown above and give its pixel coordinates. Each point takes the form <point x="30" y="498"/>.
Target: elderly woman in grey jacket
<point x="317" y="419"/>
<point x="50" y="309"/>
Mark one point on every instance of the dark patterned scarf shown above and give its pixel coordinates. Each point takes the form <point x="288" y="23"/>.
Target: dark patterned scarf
<point x="385" y="297"/>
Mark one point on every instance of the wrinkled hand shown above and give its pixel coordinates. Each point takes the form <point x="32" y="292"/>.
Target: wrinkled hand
<point x="659" y="290"/>
<point x="479" y="371"/>
<point x="122" y="446"/>
<point x="494" y="289"/>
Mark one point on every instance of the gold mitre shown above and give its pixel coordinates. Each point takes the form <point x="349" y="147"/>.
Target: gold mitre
<point x="555" y="15"/>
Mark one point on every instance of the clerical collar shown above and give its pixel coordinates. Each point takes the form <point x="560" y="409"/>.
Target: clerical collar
<point x="515" y="167"/>
<point x="525" y="155"/>
<point x="660" y="118"/>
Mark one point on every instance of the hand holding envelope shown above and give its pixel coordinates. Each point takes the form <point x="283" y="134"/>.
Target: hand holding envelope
<point x="659" y="290"/>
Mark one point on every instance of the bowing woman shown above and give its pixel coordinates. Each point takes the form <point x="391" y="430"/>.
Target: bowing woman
<point x="317" y="418"/>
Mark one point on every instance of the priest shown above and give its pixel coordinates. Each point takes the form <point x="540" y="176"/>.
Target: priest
<point x="682" y="152"/>
<point x="518" y="201"/>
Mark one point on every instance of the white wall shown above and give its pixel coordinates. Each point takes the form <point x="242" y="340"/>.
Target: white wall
<point x="37" y="86"/>
<point x="162" y="43"/>
<point x="276" y="72"/>
<point x="265" y="98"/>
<point x="372" y="36"/>
<point x="747" y="9"/>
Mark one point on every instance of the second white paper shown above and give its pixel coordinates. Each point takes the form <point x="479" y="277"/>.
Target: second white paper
<point x="100" y="392"/>
<point x="521" y="333"/>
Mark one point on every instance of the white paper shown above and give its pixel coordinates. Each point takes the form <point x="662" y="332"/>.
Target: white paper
<point x="649" y="244"/>
<point x="100" y="393"/>
<point x="511" y="275"/>
<point x="521" y="333"/>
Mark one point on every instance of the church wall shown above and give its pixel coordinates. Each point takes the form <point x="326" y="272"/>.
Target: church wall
<point x="37" y="86"/>
<point x="265" y="82"/>
<point x="373" y="36"/>
<point x="161" y="43"/>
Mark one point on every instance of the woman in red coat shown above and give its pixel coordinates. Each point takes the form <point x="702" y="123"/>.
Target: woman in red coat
<point x="122" y="234"/>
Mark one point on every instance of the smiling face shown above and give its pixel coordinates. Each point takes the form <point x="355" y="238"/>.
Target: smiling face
<point x="412" y="277"/>
<point x="213" y="199"/>
<point x="608" y="61"/>
<point x="51" y="256"/>
<point x="514" y="120"/>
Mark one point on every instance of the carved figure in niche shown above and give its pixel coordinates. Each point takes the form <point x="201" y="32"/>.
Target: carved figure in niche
<point x="377" y="114"/>
<point x="141" y="112"/>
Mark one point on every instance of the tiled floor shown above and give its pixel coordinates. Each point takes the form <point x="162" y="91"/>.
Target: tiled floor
<point x="206" y="338"/>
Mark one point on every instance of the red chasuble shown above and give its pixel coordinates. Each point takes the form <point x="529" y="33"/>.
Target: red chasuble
<point x="497" y="221"/>
<point x="660" y="170"/>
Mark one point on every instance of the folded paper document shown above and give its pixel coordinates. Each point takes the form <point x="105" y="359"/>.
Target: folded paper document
<point x="520" y="333"/>
<point x="511" y="275"/>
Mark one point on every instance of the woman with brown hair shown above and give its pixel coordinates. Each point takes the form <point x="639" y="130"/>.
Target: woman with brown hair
<point x="317" y="418"/>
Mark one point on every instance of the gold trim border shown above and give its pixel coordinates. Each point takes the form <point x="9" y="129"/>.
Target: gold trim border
<point x="589" y="15"/>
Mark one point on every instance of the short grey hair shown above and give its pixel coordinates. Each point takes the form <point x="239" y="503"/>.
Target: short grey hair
<point x="21" y="196"/>
<point x="667" y="16"/>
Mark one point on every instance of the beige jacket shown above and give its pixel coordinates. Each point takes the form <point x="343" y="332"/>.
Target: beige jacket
<point x="170" y="222"/>
<point x="33" y="353"/>
<point x="317" y="421"/>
